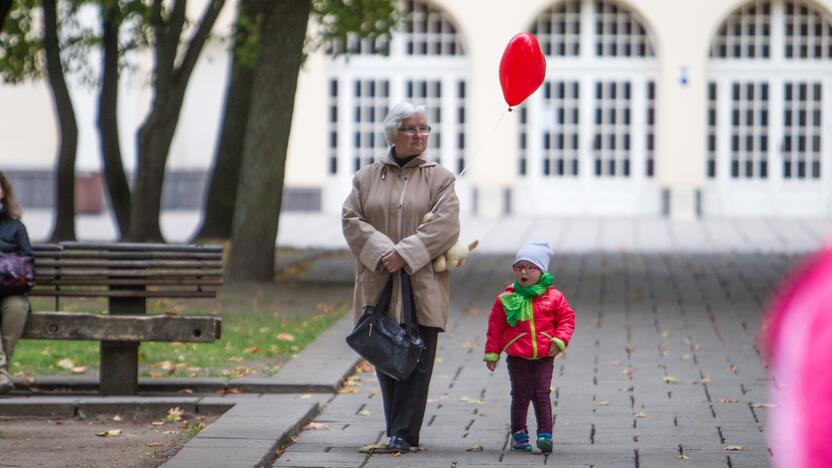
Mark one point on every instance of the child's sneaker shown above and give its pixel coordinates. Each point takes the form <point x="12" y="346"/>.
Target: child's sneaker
<point x="520" y="441"/>
<point x="544" y="442"/>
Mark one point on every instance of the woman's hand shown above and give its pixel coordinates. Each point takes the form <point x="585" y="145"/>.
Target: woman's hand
<point x="392" y="261"/>
<point x="553" y="350"/>
<point x="491" y="365"/>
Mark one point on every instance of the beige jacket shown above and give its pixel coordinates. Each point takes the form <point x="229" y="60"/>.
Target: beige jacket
<point x="383" y="212"/>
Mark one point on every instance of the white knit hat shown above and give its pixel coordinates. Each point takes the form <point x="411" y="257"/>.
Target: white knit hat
<point x="537" y="252"/>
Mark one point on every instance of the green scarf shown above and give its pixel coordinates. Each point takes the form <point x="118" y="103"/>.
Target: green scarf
<point x="518" y="305"/>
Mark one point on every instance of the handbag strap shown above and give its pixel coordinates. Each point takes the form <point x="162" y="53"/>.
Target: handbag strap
<point x="383" y="301"/>
<point x="408" y="304"/>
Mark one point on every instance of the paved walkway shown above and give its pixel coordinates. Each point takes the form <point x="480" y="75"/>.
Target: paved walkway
<point x="663" y="371"/>
<point x="504" y="235"/>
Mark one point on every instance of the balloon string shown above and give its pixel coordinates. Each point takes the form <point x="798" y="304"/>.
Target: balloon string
<point x="484" y="141"/>
<point x="473" y="157"/>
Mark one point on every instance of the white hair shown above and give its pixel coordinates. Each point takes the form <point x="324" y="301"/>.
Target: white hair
<point x="399" y="112"/>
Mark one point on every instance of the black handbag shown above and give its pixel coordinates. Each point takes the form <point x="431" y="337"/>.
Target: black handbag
<point x="392" y="349"/>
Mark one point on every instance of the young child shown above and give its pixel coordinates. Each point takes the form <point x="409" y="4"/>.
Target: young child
<point x="532" y="322"/>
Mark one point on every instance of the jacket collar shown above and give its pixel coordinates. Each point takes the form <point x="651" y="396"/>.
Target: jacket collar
<point x="421" y="160"/>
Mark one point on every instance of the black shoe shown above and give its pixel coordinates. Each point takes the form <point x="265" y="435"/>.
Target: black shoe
<point x="397" y="444"/>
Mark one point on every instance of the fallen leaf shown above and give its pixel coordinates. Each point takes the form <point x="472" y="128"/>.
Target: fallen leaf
<point x="603" y="403"/>
<point x="665" y="333"/>
<point x="227" y="391"/>
<point x="728" y="400"/>
<point x="252" y="350"/>
<point x="186" y="390"/>
<point x="615" y="363"/>
<point x="174" y="414"/>
<point x="365" y="412"/>
<point x="706" y="380"/>
<point x="348" y="389"/>
<point x="375" y="393"/>
<point x="686" y="357"/>
<point x="305" y="396"/>
<point x="65" y="364"/>
<point x="157" y="423"/>
<point x="670" y="379"/>
<point x="763" y="405"/>
<point x="475" y="448"/>
<point x="110" y="433"/>
<point x="153" y="444"/>
<point x="471" y="400"/>
<point x="364" y="367"/>
<point x="314" y="426"/>
<point x="473" y="311"/>
<point x="78" y="369"/>
<point x="733" y="448"/>
<point x="370" y="448"/>
<point x="640" y="414"/>
<point x="682" y="457"/>
<point x="285" y="337"/>
<point x="732" y="368"/>
<point x="116" y="418"/>
<point x="170" y="432"/>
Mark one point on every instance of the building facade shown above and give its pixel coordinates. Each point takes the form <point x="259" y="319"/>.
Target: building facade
<point x="717" y="108"/>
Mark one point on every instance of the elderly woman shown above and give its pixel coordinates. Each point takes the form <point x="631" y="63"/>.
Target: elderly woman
<point x="14" y="308"/>
<point x="381" y="220"/>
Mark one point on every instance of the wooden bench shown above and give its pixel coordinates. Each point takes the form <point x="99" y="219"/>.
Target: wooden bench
<point x="127" y="275"/>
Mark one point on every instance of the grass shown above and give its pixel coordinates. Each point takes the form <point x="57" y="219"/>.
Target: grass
<point x="258" y="336"/>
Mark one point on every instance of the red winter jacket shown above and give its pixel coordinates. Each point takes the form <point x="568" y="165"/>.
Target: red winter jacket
<point x="553" y="321"/>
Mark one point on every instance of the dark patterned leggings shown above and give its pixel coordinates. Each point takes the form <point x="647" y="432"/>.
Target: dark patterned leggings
<point x="531" y="382"/>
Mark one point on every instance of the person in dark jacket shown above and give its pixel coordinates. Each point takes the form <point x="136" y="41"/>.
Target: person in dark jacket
<point x="14" y="308"/>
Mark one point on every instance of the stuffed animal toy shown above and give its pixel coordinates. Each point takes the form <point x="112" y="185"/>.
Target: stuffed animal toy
<point x="455" y="256"/>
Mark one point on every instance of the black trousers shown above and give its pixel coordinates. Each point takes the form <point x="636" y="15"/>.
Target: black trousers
<point x="405" y="401"/>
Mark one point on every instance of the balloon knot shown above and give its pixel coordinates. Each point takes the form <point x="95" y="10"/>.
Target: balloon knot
<point x="510" y="109"/>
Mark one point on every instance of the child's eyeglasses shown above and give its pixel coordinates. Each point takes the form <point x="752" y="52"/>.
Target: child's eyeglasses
<point x="522" y="268"/>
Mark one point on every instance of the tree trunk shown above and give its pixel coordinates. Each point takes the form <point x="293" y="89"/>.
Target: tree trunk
<point x="117" y="185"/>
<point x="65" y="188"/>
<point x="257" y="210"/>
<point x="155" y="138"/>
<point x="5" y="6"/>
<point x="170" y="82"/>
<point x="221" y="191"/>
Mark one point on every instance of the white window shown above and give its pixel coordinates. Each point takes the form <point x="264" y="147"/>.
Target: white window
<point x="424" y="64"/>
<point x="767" y="112"/>
<point x="586" y="140"/>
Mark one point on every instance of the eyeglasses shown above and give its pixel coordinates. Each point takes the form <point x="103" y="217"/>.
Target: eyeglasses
<point x="522" y="268"/>
<point x="415" y="130"/>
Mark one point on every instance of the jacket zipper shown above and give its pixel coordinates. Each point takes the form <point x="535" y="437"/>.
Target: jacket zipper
<point x="512" y="341"/>
<point x="534" y="333"/>
<point x="401" y="203"/>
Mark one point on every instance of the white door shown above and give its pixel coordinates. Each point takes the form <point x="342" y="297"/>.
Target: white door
<point x="768" y="115"/>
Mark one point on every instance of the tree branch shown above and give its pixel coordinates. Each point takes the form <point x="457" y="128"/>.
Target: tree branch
<point x="209" y="17"/>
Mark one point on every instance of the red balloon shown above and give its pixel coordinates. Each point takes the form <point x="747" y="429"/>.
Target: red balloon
<point x="522" y="68"/>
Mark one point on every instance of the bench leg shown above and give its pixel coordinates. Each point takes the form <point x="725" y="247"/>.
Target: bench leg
<point x="119" y="368"/>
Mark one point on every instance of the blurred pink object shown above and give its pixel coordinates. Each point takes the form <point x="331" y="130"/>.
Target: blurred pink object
<point x="798" y="339"/>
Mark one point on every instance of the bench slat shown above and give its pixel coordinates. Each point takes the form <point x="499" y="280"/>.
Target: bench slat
<point x="132" y="255"/>
<point x="50" y="281"/>
<point x="65" y="263"/>
<point x="144" y="247"/>
<point x="169" y="273"/>
<point x="107" y="293"/>
<point x="125" y="328"/>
